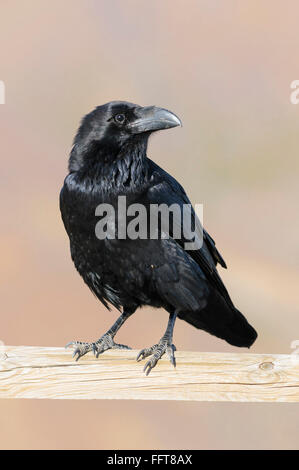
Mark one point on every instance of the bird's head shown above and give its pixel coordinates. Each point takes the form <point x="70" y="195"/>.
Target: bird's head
<point x="108" y="129"/>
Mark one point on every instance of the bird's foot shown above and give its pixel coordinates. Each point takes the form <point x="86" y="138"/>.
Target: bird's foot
<point x="157" y="351"/>
<point x="98" y="347"/>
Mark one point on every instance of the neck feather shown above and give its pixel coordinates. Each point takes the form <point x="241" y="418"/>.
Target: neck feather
<point x="121" y="169"/>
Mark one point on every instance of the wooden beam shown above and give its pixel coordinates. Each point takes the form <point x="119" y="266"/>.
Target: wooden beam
<point x="39" y="372"/>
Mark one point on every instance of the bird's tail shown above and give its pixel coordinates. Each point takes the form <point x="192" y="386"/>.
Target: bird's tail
<point x="224" y="321"/>
<point x="240" y="332"/>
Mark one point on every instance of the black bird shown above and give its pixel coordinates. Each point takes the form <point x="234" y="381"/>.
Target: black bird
<point x="108" y="160"/>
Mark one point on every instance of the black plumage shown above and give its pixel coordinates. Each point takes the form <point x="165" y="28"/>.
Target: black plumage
<point x="108" y="160"/>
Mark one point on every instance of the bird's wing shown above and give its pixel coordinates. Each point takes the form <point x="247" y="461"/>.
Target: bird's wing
<point x="167" y="190"/>
<point x="181" y="197"/>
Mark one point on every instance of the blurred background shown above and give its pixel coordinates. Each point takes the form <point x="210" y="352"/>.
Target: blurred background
<point x="225" y="69"/>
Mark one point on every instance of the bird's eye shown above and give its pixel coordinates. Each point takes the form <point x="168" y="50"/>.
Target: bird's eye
<point x="120" y="118"/>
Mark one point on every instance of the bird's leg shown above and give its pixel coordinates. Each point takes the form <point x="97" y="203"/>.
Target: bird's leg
<point x="104" y="342"/>
<point x="164" y="345"/>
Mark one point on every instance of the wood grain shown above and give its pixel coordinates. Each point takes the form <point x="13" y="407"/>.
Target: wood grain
<point x="39" y="372"/>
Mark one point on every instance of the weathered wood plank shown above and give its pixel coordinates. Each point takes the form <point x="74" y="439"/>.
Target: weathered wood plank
<point x="39" y="372"/>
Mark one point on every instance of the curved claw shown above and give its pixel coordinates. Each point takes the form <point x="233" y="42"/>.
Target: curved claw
<point x="77" y="351"/>
<point x="149" y="366"/>
<point x="141" y="353"/>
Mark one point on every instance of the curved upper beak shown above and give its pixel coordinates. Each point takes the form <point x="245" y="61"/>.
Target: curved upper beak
<point x="151" y="118"/>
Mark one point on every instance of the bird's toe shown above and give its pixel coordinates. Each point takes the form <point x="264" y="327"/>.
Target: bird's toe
<point x="106" y="342"/>
<point x="146" y="352"/>
<point x="79" y="348"/>
<point x="150" y="365"/>
<point x="156" y="352"/>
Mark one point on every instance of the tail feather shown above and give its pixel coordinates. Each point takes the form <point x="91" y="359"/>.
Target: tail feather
<point x="223" y="321"/>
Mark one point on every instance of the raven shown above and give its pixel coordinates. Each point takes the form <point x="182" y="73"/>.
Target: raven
<point x="109" y="160"/>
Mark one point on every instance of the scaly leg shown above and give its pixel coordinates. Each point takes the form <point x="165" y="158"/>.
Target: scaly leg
<point x="157" y="351"/>
<point x="105" y="342"/>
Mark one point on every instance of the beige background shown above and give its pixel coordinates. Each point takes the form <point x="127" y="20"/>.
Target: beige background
<point x="225" y="68"/>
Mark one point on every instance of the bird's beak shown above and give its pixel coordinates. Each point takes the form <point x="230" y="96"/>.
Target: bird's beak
<point x="151" y="118"/>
